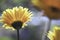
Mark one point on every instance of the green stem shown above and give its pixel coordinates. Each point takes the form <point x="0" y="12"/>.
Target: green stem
<point x="17" y="34"/>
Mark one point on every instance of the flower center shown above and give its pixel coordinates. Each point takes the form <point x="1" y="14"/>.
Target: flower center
<point x="54" y="9"/>
<point x="17" y="24"/>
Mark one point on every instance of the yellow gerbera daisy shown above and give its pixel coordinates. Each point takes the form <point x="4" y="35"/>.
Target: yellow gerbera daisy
<point x="55" y="35"/>
<point x="15" y="18"/>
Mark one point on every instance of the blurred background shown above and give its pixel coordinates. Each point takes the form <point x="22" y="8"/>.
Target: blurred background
<point x="37" y="27"/>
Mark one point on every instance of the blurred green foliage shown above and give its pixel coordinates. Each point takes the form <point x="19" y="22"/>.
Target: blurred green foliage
<point x="1" y="1"/>
<point x="5" y="38"/>
<point x="4" y="4"/>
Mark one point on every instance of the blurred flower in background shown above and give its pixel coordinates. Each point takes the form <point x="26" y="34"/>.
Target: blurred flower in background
<point x="54" y="34"/>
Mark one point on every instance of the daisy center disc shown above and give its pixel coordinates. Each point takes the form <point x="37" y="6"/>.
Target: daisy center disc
<point x="17" y="24"/>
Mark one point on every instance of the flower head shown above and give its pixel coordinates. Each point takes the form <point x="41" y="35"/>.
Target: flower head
<point x="15" y="18"/>
<point x="55" y="35"/>
<point x="50" y="7"/>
